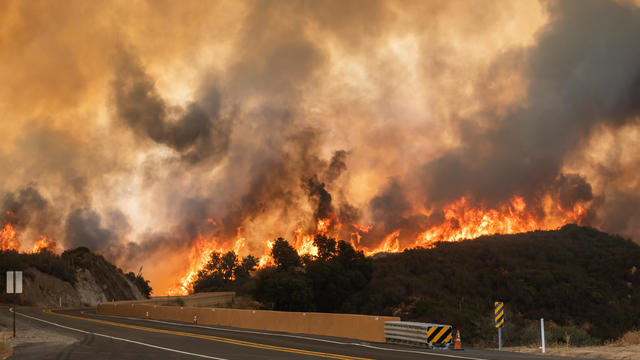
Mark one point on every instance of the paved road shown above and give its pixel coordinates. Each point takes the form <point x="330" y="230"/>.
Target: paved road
<point x="109" y="337"/>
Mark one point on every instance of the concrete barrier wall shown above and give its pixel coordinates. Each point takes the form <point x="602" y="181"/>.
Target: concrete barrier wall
<point x="207" y="299"/>
<point x="361" y="327"/>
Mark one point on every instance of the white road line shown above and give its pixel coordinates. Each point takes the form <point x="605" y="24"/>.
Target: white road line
<point x="125" y="340"/>
<point x="420" y="352"/>
<point x="291" y="336"/>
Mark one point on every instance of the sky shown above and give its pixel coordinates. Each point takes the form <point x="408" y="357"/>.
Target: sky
<point x="136" y="127"/>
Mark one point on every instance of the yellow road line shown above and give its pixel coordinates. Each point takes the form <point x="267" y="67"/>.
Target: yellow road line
<point x="213" y="338"/>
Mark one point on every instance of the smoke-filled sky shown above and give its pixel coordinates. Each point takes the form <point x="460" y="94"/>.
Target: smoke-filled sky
<point x="125" y="125"/>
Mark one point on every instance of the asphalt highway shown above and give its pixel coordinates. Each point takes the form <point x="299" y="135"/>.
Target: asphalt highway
<point x="110" y="337"/>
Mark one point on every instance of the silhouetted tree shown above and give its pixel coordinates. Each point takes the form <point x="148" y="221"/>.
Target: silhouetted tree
<point x="142" y="284"/>
<point x="284" y="290"/>
<point x="246" y="267"/>
<point x="225" y="272"/>
<point x="326" y="247"/>
<point x="338" y="272"/>
<point x="284" y="255"/>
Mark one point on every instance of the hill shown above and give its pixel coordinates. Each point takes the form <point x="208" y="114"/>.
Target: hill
<point x="78" y="276"/>
<point x="584" y="282"/>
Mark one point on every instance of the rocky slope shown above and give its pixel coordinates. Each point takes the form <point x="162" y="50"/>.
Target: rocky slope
<point x="76" y="278"/>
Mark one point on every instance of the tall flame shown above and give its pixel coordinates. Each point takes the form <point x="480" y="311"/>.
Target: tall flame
<point x="199" y="255"/>
<point x="8" y="238"/>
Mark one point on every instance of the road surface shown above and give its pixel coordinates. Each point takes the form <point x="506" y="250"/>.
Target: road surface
<point x="111" y="337"/>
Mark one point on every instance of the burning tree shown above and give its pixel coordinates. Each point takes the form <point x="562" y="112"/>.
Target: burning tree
<point x="323" y="282"/>
<point x="225" y="272"/>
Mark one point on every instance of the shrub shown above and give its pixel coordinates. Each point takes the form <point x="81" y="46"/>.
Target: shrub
<point x="570" y="336"/>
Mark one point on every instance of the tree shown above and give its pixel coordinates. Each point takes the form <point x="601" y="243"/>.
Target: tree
<point x="284" y="255"/>
<point x="246" y="267"/>
<point x="225" y="272"/>
<point x="338" y="272"/>
<point x="228" y="264"/>
<point x="326" y="247"/>
<point x="140" y="283"/>
<point x="287" y="290"/>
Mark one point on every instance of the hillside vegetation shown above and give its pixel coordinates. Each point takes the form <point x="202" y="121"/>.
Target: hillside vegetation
<point x="584" y="282"/>
<point x="78" y="276"/>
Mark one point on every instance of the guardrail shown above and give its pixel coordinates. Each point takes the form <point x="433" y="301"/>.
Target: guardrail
<point x="417" y="333"/>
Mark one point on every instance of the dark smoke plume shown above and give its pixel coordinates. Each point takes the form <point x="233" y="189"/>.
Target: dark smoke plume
<point x="319" y="194"/>
<point x="379" y="112"/>
<point x="584" y="71"/>
<point x="197" y="132"/>
<point x="27" y="209"/>
<point x="85" y="227"/>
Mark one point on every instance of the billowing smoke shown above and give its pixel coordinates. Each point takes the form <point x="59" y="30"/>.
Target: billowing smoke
<point x="27" y="209"/>
<point x="137" y="128"/>
<point x="582" y="72"/>
<point x="196" y="131"/>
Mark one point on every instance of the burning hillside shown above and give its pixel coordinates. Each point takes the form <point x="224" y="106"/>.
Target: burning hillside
<point x="460" y="220"/>
<point x="157" y="133"/>
<point x="9" y="241"/>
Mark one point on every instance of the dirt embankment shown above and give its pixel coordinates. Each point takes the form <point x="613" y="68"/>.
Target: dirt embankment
<point x="45" y="290"/>
<point x="78" y="278"/>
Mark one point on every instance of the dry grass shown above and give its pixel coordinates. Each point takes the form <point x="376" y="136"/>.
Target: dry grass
<point x="626" y="348"/>
<point x="5" y="349"/>
<point x="245" y="302"/>
<point x="630" y="338"/>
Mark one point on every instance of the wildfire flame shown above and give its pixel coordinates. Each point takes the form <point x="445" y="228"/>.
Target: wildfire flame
<point x="266" y="258"/>
<point x="390" y="243"/>
<point x="303" y="243"/>
<point x="463" y="219"/>
<point x="8" y="238"/>
<point x="199" y="255"/>
<point x="45" y="244"/>
<point x="9" y="241"/>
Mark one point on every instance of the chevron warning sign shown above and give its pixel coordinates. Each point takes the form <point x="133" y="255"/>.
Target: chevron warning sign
<point x="439" y="334"/>
<point x="498" y="315"/>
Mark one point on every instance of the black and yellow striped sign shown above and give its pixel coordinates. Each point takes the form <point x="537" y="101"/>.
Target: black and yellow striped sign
<point x="498" y="314"/>
<point x="439" y="334"/>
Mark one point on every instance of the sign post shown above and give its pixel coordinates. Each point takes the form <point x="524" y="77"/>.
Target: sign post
<point x="14" y="286"/>
<point x="498" y="320"/>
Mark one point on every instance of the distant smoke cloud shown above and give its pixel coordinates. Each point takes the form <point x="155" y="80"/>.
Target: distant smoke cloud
<point x="267" y="115"/>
